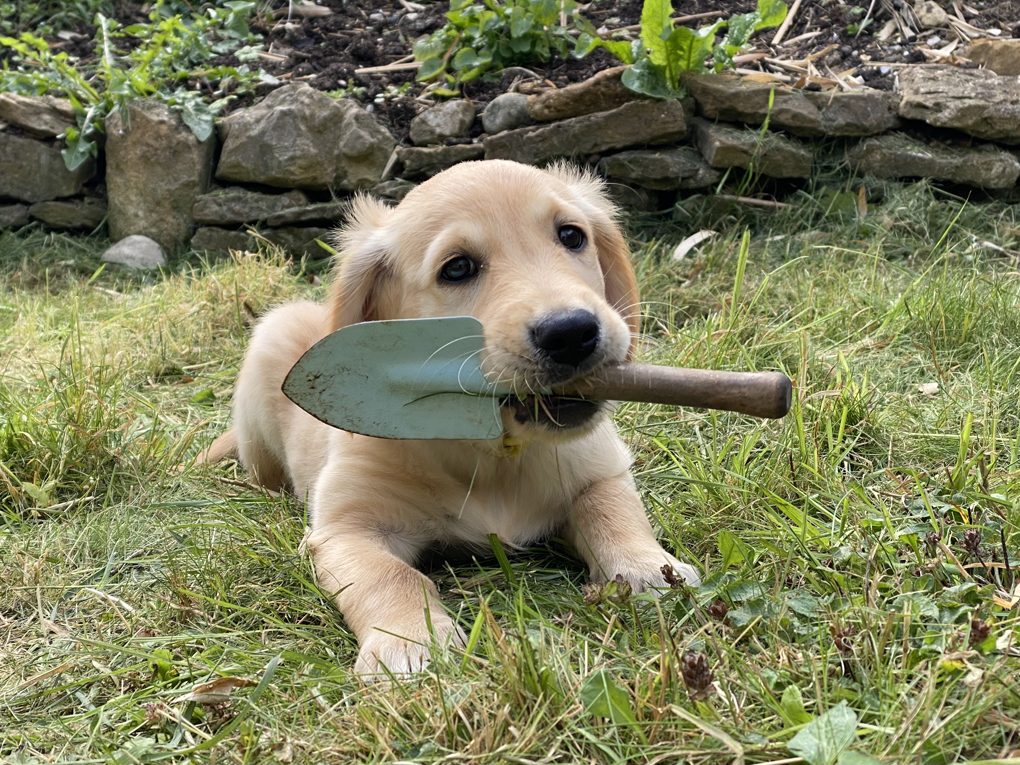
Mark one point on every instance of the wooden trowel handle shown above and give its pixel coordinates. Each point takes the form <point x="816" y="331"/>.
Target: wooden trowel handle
<point x="760" y="394"/>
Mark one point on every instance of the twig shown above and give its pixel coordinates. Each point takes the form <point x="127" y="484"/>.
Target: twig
<point x="886" y="31"/>
<point x="841" y="81"/>
<point x="303" y="10"/>
<point x="747" y="58"/>
<point x="949" y="554"/>
<point x="969" y="31"/>
<point x="274" y="57"/>
<point x="805" y="37"/>
<point x="785" y="26"/>
<point x="773" y="75"/>
<point x="389" y="68"/>
<point x="752" y="201"/>
<point x="788" y="66"/>
<point x="801" y="65"/>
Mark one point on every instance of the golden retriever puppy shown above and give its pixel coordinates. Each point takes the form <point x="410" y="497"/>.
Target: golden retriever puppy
<point x="537" y="257"/>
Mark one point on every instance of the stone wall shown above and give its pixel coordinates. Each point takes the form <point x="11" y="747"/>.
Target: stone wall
<point x="281" y="168"/>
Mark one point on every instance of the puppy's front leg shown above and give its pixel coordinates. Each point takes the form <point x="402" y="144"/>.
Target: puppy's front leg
<point x="609" y="528"/>
<point x="386" y="602"/>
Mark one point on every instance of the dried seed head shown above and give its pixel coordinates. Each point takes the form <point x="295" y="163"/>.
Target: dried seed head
<point x="592" y="593"/>
<point x="718" y="610"/>
<point x="842" y="638"/>
<point x="696" y="673"/>
<point x="972" y="541"/>
<point x="979" y="630"/>
<point x="669" y="574"/>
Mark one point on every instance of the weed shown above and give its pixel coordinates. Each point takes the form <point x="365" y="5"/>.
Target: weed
<point x="165" y="55"/>
<point x="664" y="53"/>
<point x="479" y="38"/>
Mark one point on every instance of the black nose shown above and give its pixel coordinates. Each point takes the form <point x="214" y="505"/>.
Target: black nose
<point x="567" y="338"/>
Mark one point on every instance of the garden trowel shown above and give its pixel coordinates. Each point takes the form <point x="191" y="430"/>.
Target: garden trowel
<point x="422" y="379"/>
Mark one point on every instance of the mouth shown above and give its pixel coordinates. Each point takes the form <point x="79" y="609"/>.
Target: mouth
<point x="553" y="412"/>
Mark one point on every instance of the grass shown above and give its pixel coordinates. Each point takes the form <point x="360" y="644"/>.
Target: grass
<point x="856" y="605"/>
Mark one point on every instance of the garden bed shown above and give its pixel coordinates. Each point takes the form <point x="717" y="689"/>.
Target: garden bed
<point x="332" y="52"/>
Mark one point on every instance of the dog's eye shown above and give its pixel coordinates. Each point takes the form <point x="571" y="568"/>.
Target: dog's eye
<point x="572" y="237"/>
<point x="458" y="269"/>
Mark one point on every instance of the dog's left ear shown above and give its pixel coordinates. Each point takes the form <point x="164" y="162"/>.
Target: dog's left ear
<point x="614" y="255"/>
<point x="364" y="251"/>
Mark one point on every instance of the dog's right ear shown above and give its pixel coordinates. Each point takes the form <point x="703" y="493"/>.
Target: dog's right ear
<point x="365" y="248"/>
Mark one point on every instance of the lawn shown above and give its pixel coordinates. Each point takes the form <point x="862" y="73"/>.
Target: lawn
<point x="861" y="599"/>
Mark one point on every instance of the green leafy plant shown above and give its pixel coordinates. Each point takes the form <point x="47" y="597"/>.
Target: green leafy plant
<point x="857" y="27"/>
<point x="479" y="38"/>
<point x="167" y="53"/>
<point x="664" y="53"/>
<point x="44" y="17"/>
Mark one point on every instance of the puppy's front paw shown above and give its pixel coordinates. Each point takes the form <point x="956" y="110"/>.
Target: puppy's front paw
<point x="400" y="652"/>
<point x="646" y="572"/>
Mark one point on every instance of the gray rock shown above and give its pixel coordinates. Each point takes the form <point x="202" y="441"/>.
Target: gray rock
<point x="221" y="241"/>
<point x="772" y="155"/>
<point x="72" y="214"/>
<point x="13" y="216"/>
<point x="34" y="171"/>
<point x="801" y="112"/>
<point x="301" y="241"/>
<point x="664" y="169"/>
<point x="450" y="120"/>
<point x="976" y="101"/>
<point x="426" y="162"/>
<point x="394" y="190"/>
<point x="599" y="93"/>
<point x="897" y="156"/>
<point x="1000" y="56"/>
<point x="507" y="111"/>
<point x="300" y="138"/>
<point x="232" y="207"/>
<point x="930" y="14"/>
<point x="136" y="251"/>
<point x="325" y="212"/>
<point x="634" y="124"/>
<point x="42" y="116"/>
<point x="365" y="149"/>
<point x="289" y="140"/>
<point x="155" y="170"/>
<point x="852" y="113"/>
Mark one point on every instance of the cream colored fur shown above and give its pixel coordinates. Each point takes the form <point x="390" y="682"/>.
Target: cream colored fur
<point x="375" y="504"/>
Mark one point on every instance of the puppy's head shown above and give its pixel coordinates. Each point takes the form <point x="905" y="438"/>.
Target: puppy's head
<point x="535" y="255"/>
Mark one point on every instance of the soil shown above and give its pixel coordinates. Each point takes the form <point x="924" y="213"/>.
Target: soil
<point x="327" y="51"/>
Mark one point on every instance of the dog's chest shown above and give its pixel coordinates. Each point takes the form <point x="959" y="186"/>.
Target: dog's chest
<point x="519" y="503"/>
<point x="517" y="520"/>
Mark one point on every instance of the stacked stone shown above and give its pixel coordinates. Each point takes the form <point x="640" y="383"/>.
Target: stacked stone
<point x="285" y="165"/>
<point x="35" y="184"/>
